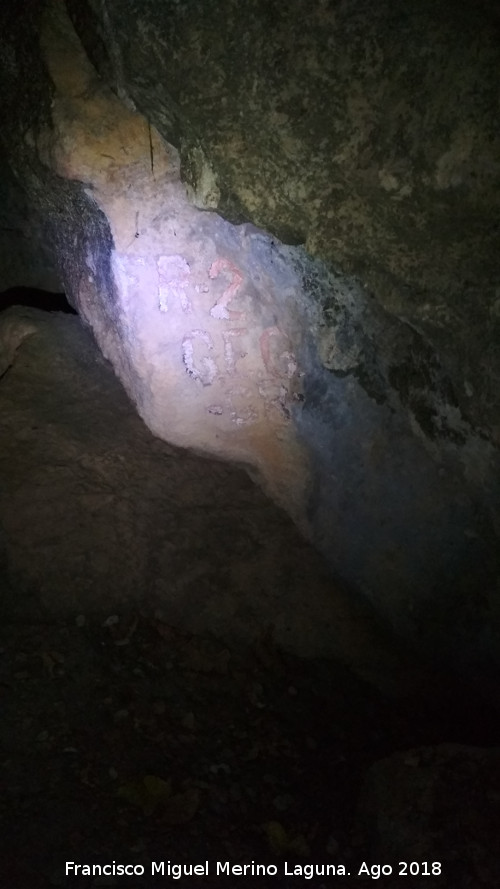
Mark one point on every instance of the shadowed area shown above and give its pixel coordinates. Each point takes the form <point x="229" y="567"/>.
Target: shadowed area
<point x="35" y="299"/>
<point x="164" y="594"/>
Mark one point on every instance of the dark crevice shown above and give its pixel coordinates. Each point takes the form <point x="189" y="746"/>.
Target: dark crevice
<point x="36" y="299"/>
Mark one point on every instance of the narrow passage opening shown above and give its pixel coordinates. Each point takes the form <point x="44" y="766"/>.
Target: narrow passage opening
<point x="35" y="299"/>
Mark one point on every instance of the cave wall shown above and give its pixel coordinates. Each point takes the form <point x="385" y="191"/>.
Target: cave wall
<point x="345" y="350"/>
<point x="367" y="132"/>
<point x="25" y="257"/>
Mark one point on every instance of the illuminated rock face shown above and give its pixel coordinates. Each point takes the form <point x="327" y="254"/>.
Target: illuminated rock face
<point x="198" y="334"/>
<point x="366" y="131"/>
<point x="232" y="344"/>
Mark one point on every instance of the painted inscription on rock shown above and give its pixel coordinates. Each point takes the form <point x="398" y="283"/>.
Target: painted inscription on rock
<point x="251" y="365"/>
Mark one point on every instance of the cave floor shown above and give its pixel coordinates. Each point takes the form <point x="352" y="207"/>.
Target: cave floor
<point x="173" y="747"/>
<point x="137" y="731"/>
<point x="133" y="742"/>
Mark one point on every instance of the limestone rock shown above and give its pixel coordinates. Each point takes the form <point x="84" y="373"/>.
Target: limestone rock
<point x="367" y="407"/>
<point x="98" y="515"/>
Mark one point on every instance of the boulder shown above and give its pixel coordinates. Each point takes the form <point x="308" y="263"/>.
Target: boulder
<point x="280" y="226"/>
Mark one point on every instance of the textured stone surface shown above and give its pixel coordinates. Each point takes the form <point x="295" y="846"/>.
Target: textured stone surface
<point x="98" y="514"/>
<point x="368" y="132"/>
<point x="351" y="400"/>
<point x="194" y="330"/>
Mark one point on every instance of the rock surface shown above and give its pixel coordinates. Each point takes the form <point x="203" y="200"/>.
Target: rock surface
<point x="367" y="132"/>
<point x="153" y="704"/>
<point x="141" y="146"/>
<point x="368" y="407"/>
<point x="97" y="514"/>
